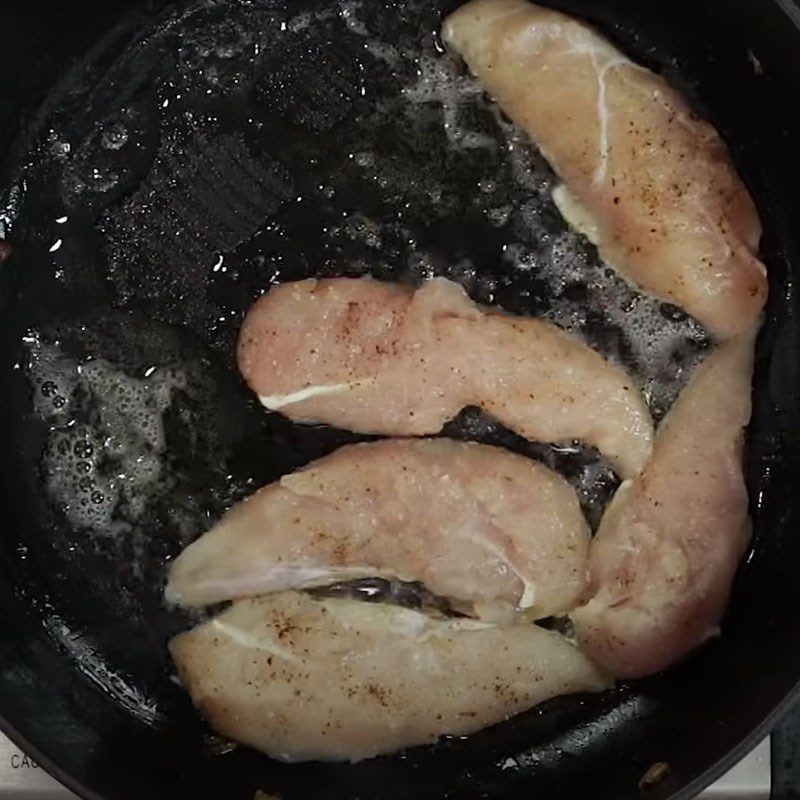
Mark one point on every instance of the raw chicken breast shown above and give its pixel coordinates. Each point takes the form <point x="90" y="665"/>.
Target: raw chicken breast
<point x="645" y="179"/>
<point x="473" y="522"/>
<point x="303" y="679"/>
<point x="383" y="358"/>
<point x="664" y="559"/>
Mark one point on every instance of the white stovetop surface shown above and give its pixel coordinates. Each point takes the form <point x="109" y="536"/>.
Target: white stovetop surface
<point x="23" y="779"/>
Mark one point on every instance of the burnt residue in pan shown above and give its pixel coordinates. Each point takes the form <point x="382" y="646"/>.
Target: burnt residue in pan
<point x="232" y="146"/>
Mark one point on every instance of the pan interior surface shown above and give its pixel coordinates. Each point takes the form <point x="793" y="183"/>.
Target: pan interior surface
<point x="205" y="152"/>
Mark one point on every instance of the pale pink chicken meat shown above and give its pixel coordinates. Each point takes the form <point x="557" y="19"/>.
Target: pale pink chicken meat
<point x="668" y="547"/>
<point x="472" y="522"/>
<point x="303" y="679"/>
<point x="384" y="358"/>
<point x="643" y="177"/>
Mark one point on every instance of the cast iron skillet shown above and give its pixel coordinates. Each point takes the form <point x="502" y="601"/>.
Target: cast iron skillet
<point x="84" y="684"/>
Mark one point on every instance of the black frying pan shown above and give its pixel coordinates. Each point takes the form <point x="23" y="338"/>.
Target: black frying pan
<point x="183" y="137"/>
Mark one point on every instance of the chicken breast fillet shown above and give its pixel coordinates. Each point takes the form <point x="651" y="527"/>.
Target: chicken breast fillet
<point x="383" y="358"/>
<point x="664" y="559"/>
<point x="472" y="522"/>
<point x="304" y="679"/>
<point x="645" y="179"/>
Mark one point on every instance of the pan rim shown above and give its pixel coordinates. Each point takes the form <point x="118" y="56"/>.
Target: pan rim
<point x="688" y="791"/>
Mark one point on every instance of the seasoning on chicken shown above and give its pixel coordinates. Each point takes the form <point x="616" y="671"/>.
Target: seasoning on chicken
<point x="643" y="177"/>
<point x="472" y="522"/>
<point x="383" y="358"/>
<point x="664" y="559"/>
<point x="303" y="679"/>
